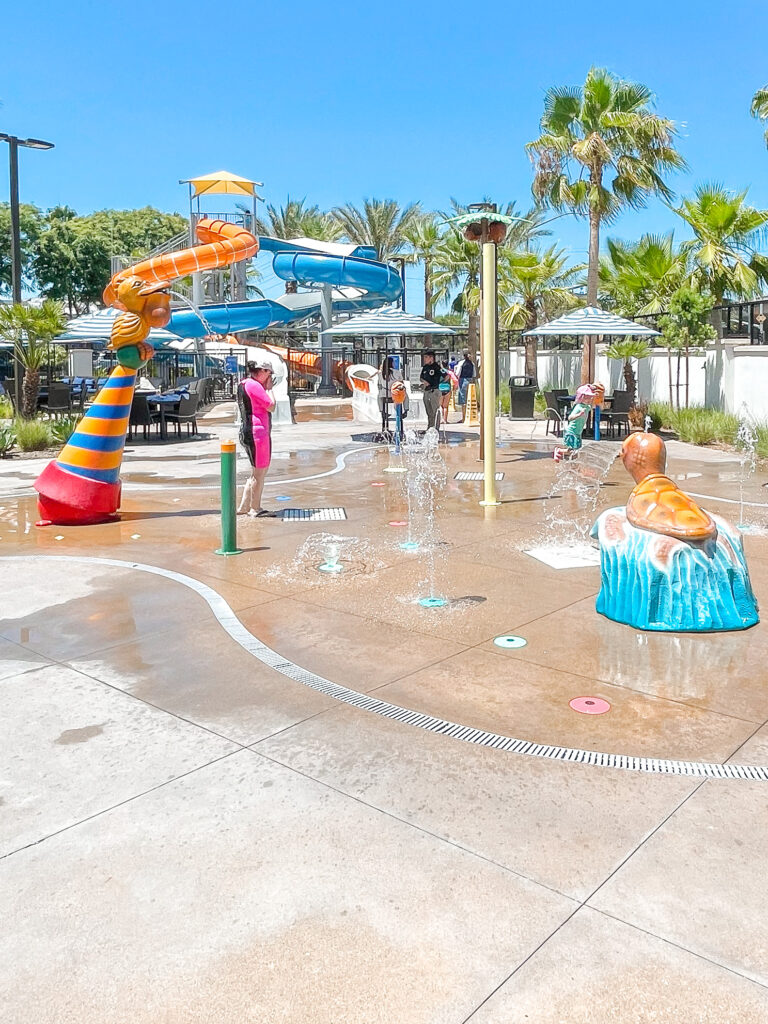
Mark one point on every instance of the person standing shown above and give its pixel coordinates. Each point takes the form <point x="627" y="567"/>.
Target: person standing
<point x="386" y="377"/>
<point x="256" y="404"/>
<point x="431" y="372"/>
<point x="448" y="382"/>
<point x="466" y="372"/>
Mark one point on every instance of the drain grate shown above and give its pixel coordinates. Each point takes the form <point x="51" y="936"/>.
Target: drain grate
<point x="430" y="723"/>
<point x="313" y="515"/>
<point x="475" y="476"/>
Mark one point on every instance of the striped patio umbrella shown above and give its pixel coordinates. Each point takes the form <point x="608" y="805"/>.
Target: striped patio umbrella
<point x="388" y="321"/>
<point x="98" y="326"/>
<point x="590" y="320"/>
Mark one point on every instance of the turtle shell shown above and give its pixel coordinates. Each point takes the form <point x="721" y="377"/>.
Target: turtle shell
<point x="658" y="505"/>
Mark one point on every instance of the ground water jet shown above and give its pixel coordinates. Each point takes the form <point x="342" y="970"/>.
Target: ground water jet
<point x="424" y="484"/>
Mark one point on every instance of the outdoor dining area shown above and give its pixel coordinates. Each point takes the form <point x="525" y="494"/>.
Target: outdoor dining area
<point x="176" y="407"/>
<point x="151" y="408"/>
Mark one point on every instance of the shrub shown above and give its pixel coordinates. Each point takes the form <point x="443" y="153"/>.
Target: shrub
<point x="32" y="435"/>
<point x="7" y="440"/>
<point x="62" y="429"/>
<point x="6" y="408"/>
<point x="642" y="411"/>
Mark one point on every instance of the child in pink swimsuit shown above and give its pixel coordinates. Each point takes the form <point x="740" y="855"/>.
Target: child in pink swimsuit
<point x="256" y="406"/>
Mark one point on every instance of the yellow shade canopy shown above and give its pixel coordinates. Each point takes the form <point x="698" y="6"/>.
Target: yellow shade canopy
<point x="223" y="183"/>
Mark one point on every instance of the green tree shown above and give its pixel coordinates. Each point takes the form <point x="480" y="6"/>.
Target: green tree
<point x="31" y="224"/>
<point x="601" y="148"/>
<point x="759" y="107"/>
<point x="380" y="223"/>
<point x="626" y="350"/>
<point x="685" y="327"/>
<point x="30" y="330"/>
<point x="72" y="259"/>
<point x="423" y="238"/>
<point x="296" y="220"/>
<point x="456" y="277"/>
<point x="723" y="251"/>
<point x="535" y="285"/>
<point x="638" y="278"/>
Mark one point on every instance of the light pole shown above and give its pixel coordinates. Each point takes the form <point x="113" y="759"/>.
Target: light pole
<point x="13" y="154"/>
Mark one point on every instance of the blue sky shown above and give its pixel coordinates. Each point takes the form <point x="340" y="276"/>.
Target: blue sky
<point x="335" y="102"/>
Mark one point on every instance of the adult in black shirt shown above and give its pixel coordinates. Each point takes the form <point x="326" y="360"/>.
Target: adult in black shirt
<point x="431" y="372"/>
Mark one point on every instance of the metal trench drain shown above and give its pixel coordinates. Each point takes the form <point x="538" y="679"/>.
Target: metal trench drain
<point x="229" y="622"/>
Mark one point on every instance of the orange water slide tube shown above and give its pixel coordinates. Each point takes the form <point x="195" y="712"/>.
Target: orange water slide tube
<point x="223" y="243"/>
<point x="310" y="363"/>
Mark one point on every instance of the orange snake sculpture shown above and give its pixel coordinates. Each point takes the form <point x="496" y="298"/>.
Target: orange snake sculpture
<point x="83" y="484"/>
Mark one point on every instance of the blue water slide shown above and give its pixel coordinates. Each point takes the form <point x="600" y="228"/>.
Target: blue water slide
<point x="378" y="282"/>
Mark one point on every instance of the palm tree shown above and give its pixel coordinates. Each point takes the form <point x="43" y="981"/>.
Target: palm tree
<point x="295" y="220"/>
<point x="457" y="261"/>
<point x="30" y="329"/>
<point x="628" y="349"/>
<point x="638" y="278"/>
<point x="381" y="224"/>
<point x="423" y="238"/>
<point x="759" y="107"/>
<point x="605" y="127"/>
<point x="535" y="286"/>
<point x="723" y="253"/>
<point x="457" y="274"/>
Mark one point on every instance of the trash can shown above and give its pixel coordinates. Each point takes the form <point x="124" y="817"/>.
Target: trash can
<point x="522" y="391"/>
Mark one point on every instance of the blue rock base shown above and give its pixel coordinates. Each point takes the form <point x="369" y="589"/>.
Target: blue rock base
<point x="654" y="582"/>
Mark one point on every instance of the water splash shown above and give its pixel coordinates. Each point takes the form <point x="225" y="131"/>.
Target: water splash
<point x="325" y="556"/>
<point x="746" y="443"/>
<point x="571" y="504"/>
<point x="331" y="562"/>
<point x="424" y="486"/>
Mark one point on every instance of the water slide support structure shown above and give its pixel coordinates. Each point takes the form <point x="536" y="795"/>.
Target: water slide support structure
<point x="327" y="386"/>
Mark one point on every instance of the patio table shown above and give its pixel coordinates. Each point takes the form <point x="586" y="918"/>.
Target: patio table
<point x="164" y="403"/>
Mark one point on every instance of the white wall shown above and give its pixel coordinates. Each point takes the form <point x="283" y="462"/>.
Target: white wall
<point x="724" y="377"/>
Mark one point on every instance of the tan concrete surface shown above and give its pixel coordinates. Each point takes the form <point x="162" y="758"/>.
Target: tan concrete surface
<point x="348" y="869"/>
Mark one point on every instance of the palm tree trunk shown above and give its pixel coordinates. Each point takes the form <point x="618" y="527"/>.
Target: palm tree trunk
<point x="29" y="389"/>
<point x="590" y="341"/>
<point x="669" y="373"/>
<point x="687" y="377"/>
<point x="428" y="298"/>
<point x="473" y="335"/>
<point x="677" y="382"/>
<point x="531" y="344"/>
<point x="629" y="381"/>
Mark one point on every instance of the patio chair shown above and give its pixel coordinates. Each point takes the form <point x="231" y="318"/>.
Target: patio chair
<point x="141" y="416"/>
<point x="59" y="399"/>
<point x="617" y="416"/>
<point x="552" y="414"/>
<point x="187" y="414"/>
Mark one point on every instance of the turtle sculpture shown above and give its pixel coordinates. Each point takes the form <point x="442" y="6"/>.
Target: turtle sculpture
<point x="667" y="564"/>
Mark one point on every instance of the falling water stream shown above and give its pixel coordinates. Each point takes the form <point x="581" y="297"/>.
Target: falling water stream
<point x="746" y="442"/>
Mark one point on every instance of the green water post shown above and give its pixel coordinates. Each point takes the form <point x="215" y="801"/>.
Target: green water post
<point x="228" y="500"/>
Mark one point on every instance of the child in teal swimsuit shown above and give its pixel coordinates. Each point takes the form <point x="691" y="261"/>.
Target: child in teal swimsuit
<point x="587" y="396"/>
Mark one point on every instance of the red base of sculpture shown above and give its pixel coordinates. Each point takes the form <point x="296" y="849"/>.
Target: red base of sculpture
<point x="67" y="499"/>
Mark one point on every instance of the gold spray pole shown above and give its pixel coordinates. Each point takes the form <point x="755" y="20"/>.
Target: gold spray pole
<point x="488" y="350"/>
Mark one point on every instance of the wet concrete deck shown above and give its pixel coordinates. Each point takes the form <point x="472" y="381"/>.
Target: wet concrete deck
<point x="189" y="835"/>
